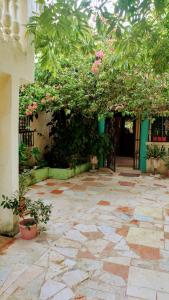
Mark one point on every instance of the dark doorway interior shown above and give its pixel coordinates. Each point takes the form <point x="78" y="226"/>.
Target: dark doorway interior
<point x="124" y="140"/>
<point x="124" y="136"/>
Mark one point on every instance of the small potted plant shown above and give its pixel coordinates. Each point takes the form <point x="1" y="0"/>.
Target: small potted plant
<point x="31" y="212"/>
<point x="155" y="154"/>
<point x="37" y="211"/>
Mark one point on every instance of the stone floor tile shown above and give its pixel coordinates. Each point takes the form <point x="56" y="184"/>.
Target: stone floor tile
<point x="65" y="294"/>
<point x="141" y="292"/>
<point x="155" y="213"/>
<point x="166" y="245"/>
<point x="75" y="235"/>
<point x="166" y="228"/>
<point x="86" y="228"/>
<point x="146" y="237"/>
<point x="103" y="242"/>
<point x="50" y="288"/>
<point x="112" y="279"/>
<point x="75" y="277"/>
<point x="69" y="252"/>
<point x="119" y="260"/>
<point x="149" y="279"/>
<point x="162" y="296"/>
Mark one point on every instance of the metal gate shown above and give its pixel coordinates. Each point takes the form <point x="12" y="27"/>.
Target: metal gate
<point x="137" y="144"/>
<point x="111" y="158"/>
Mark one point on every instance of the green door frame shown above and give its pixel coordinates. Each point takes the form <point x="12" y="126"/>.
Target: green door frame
<point x="143" y="140"/>
<point x="101" y="130"/>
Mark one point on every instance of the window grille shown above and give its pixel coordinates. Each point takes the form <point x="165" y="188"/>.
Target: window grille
<point x="159" y="130"/>
<point x="26" y="135"/>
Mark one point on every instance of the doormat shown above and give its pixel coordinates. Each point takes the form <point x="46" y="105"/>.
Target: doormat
<point x="129" y="174"/>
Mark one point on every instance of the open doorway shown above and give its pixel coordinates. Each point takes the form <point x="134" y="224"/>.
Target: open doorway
<point x="124" y="132"/>
<point x="124" y="140"/>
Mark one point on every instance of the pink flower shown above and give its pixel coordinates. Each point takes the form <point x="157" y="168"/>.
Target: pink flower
<point x="30" y="107"/>
<point x="95" y="69"/>
<point x="43" y="101"/>
<point x="28" y="112"/>
<point x="34" y="106"/>
<point x="100" y="54"/>
<point x="97" y="62"/>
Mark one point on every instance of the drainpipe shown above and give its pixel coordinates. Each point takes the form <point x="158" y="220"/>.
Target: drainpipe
<point x="101" y="130"/>
<point x="143" y="141"/>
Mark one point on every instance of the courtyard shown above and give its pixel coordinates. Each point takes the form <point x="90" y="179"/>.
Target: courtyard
<point x="107" y="238"/>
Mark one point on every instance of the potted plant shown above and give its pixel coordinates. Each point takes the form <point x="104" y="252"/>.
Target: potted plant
<point x="154" y="154"/>
<point x="31" y="212"/>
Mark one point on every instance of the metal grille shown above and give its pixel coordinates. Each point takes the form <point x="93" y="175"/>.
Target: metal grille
<point x="159" y="130"/>
<point x="26" y="135"/>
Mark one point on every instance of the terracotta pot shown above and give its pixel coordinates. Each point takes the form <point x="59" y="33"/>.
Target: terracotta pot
<point x="155" y="164"/>
<point x="154" y="138"/>
<point x="28" y="232"/>
<point x="164" y="139"/>
<point x="159" y="138"/>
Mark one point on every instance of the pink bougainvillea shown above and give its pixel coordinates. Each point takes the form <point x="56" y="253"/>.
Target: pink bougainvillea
<point x="95" y="69"/>
<point x="95" y="66"/>
<point x="100" y="54"/>
<point x="31" y="108"/>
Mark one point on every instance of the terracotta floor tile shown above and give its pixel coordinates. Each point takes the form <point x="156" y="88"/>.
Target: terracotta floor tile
<point x="116" y="269"/>
<point x="85" y="254"/>
<point x="103" y="202"/>
<point x="127" y="183"/>
<point x="93" y="235"/>
<point x="107" y="251"/>
<point x="146" y="252"/>
<point x="50" y="183"/>
<point x="36" y="186"/>
<point x="56" y="192"/>
<point x="135" y="222"/>
<point x="5" y="242"/>
<point x="40" y="193"/>
<point x="126" y="210"/>
<point x="122" y="231"/>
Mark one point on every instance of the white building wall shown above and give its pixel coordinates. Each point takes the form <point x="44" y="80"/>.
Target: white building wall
<point x="16" y="67"/>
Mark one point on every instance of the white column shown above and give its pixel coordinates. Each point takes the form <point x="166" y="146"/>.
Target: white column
<point x="6" y="17"/>
<point x="0" y="20"/>
<point x="15" y="22"/>
<point x="9" y="102"/>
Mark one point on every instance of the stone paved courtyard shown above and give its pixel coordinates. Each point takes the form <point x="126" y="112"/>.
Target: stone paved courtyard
<point x="108" y="238"/>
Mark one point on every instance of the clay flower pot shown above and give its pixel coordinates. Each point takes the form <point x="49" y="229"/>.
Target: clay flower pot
<point x="154" y="138"/>
<point x="28" y="229"/>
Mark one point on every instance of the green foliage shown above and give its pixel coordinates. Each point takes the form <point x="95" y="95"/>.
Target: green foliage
<point x="155" y="152"/>
<point x="71" y="138"/>
<point x="61" y="27"/>
<point x="22" y="205"/>
<point x="22" y="154"/>
<point x="39" y="211"/>
<point x="36" y="154"/>
<point x="167" y="162"/>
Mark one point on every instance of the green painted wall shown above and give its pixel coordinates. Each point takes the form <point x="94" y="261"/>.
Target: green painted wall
<point x="101" y="128"/>
<point x="143" y="140"/>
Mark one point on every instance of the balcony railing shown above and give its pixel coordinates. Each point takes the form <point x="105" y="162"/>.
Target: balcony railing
<point x="13" y="18"/>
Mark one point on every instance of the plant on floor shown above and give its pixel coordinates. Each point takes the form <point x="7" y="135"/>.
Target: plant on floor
<point x="22" y="206"/>
<point x="155" y="154"/>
